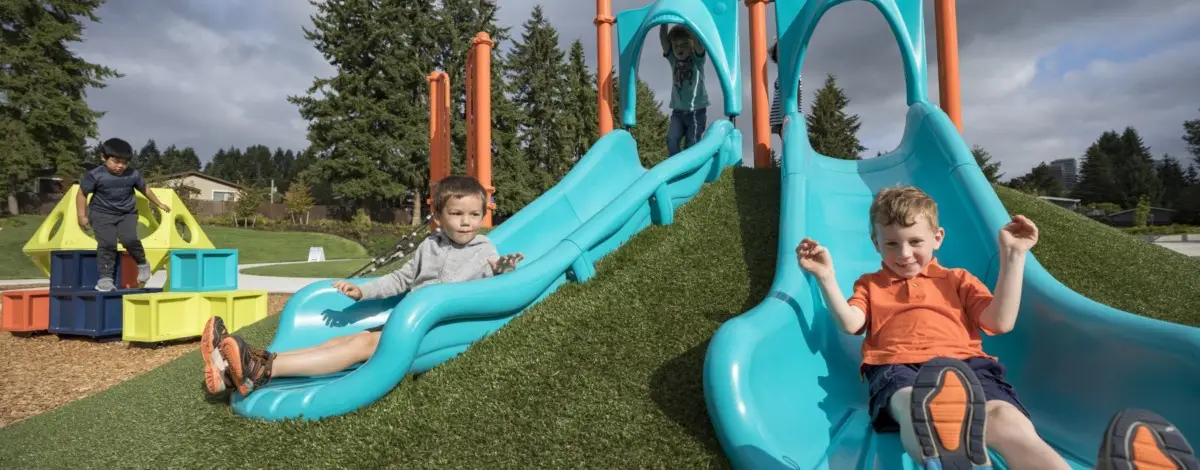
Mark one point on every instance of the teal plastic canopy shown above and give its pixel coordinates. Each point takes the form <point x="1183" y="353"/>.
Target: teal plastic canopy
<point x="714" y="22"/>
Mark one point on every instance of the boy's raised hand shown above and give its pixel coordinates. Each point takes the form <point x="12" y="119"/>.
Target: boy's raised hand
<point x="506" y="263"/>
<point x="814" y="258"/>
<point x="1019" y="235"/>
<point x="349" y="290"/>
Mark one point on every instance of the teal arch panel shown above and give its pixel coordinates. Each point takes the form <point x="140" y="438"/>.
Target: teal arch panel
<point x="714" y="22"/>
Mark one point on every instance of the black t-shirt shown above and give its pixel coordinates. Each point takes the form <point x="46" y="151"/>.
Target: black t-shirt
<point x="113" y="193"/>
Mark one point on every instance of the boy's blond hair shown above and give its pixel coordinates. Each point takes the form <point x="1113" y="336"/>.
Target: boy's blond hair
<point x="902" y="205"/>
<point x="456" y="187"/>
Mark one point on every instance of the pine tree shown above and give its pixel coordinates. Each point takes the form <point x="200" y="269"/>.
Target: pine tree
<point x="458" y="23"/>
<point x="1191" y="135"/>
<point x="149" y="159"/>
<point x="1039" y="182"/>
<point x="984" y="159"/>
<point x="369" y="122"/>
<point x="45" y="119"/>
<point x="1096" y="180"/>
<point x="1134" y="171"/>
<point x="832" y="132"/>
<point x="1172" y="179"/>
<point x="582" y="130"/>
<point x="1191" y="176"/>
<point x="537" y="73"/>
<point x="650" y="132"/>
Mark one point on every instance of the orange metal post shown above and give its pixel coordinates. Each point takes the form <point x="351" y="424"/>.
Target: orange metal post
<point x="482" y="88"/>
<point x="947" y="50"/>
<point x="604" y="23"/>
<point x="470" y="111"/>
<point x="439" y="128"/>
<point x="758" y="82"/>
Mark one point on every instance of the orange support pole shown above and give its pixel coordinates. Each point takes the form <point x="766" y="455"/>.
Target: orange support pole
<point x="482" y="88"/>
<point x="439" y="128"/>
<point x="758" y="82"/>
<point x="947" y="51"/>
<point x="470" y="112"/>
<point x="604" y="23"/>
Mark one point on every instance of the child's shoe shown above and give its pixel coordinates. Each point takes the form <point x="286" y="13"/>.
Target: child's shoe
<point x="105" y="284"/>
<point x="949" y="413"/>
<point x="143" y="273"/>
<point x="249" y="367"/>
<point x="1137" y="439"/>
<point x="215" y="366"/>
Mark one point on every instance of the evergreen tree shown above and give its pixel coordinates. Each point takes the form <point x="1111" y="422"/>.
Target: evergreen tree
<point x="459" y="21"/>
<point x="1172" y="179"/>
<point x="582" y="130"/>
<point x="1191" y="135"/>
<point x="45" y="119"/>
<point x="984" y="159"/>
<point x="1039" y="182"/>
<point x="650" y="133"/>
<point x="149" y="159"/>
<point x="1191" y="176"/>
<point x="369" y="122"/>
<point x="513" y="176"/>
<point x="1134" y="171"/>
<point x="832" y="132"/>
<point x="537" y="73"/>
<point x="1096" y="180"/>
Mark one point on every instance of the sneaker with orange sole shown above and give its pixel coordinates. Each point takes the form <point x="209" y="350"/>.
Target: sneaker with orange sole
<point x="215" y="378"/>
<point x="249" y="367"/>
<point x="1138" y="439"/>
<point x="949" y="413"/>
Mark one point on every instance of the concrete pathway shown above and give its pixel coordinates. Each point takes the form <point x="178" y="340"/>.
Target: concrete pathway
<point x="283" y="285"/>
<point x="1189" y="248"/>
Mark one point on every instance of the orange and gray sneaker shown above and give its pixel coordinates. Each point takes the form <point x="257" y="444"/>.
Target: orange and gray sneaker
<point x="249" y="367"/>
<point x="1138" y="439"/>
<point x="215" y="378"/>
<point x="949" y="412"/>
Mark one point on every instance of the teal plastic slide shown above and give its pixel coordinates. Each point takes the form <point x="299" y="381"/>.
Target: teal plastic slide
<point x="607" y="198"/>
<point x="781" y="381"/>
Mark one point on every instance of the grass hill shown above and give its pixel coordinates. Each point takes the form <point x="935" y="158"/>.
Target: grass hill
<point x="606" y="375"/>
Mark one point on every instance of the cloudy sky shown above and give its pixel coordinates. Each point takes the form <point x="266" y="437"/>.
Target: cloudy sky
<point x="1040" y="79"/>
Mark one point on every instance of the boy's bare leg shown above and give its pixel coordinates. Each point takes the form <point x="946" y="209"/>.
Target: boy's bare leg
<point x="1013" y="436"/>
<point x="900" y="406"/>
<point x="322" y="360"/>
<point x="327" y="344"/>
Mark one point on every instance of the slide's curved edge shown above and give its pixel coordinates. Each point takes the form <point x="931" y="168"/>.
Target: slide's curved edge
<point x="1074" y="361"/>
<point x="609" y="196"/>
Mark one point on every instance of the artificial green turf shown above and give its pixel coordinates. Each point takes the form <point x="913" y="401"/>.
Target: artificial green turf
<point x="604" y="375"/>
<point x="318" y="269"/>
<point x="1108" y="265"/>
<point x="259" y="246"/>
<point x="15" y="233"/>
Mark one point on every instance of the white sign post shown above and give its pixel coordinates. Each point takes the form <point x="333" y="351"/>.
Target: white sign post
<point x="316" y="253"/>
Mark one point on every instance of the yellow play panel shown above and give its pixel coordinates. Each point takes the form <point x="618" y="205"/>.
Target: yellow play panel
<point x="61" y="230"/>
<point x="165" y="316"/>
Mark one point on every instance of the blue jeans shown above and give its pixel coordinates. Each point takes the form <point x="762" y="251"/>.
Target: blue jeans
<point x="686" y="125"/>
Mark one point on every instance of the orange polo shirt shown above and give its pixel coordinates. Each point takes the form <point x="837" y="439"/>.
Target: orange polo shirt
<point x="914" y="320"/>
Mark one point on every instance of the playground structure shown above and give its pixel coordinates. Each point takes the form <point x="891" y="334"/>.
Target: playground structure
<point x="201" y="280"/>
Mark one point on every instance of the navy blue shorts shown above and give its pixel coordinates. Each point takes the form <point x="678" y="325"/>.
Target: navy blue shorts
<point x="885" y="380"/>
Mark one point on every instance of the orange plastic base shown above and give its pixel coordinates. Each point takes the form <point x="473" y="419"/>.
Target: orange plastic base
<point x="25" y="310"/>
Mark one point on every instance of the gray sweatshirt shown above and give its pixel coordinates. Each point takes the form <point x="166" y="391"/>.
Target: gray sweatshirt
<point x="437" y="260"/>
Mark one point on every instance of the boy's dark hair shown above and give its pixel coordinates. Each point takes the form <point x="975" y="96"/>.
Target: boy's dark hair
<point x="456" y="187"/>
<point x="115" y="147"/>
<point x="678" y="32"/>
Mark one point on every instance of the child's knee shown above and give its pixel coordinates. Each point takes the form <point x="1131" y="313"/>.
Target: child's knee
<point x="1008" y="425"/>
<point x="900" y="404"/>
<point x="368" y="341"/>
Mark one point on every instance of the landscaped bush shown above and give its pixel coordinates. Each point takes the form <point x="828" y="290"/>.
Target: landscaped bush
<point x="1173" y="229"/>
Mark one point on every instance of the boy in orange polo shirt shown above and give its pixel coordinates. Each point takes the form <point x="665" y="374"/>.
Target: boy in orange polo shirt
<point x="922" y="356"/>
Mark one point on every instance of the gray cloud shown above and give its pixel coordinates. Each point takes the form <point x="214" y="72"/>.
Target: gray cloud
<point x="212" y="74"/>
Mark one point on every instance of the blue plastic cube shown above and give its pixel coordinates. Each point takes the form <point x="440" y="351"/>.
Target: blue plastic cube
<point x="202" y="270"/>
<point x="75" y="270"/>
<point x="89" y="313"/>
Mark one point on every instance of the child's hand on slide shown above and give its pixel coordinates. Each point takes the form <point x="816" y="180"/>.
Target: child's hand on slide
<point x="349" y="290"/>
<point x="814" y="258"/>
<point x="506" y="263"/>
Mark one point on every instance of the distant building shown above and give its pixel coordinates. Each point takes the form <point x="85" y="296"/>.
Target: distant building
<point x="1157" y="216"/>
<point x="1065" y="202"/>
<point x="208" y="188"/>
<point x="1064" y="170"/>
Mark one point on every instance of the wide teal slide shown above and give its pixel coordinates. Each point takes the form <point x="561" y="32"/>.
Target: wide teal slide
<point x="781" y="381"/>
<point x="607" y="198"/>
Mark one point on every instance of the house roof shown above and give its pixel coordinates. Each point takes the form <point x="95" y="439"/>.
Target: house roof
<point x="197" y="174"/>
<point x="1126" y="211"/>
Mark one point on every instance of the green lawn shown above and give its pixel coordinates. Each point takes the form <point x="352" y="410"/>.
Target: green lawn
<point x="606" y="375"/>
<point x="254" y="246"/>
<point x="15" y="234"/>
<point x="317" y="269"/>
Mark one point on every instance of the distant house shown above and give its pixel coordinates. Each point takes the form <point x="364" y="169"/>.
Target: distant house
<point x="209" y="188"/>
<point x="1158" y="216"/>
<point x="1066" y="202"/>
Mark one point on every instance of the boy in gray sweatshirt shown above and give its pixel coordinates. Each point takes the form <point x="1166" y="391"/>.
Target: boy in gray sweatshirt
<point x="455" y="252"/>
